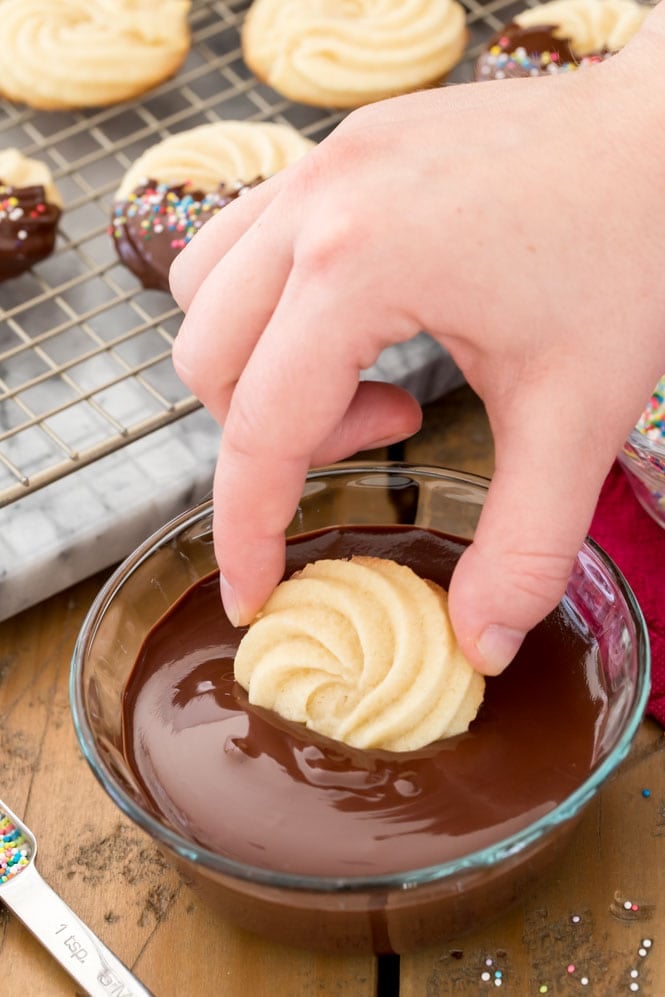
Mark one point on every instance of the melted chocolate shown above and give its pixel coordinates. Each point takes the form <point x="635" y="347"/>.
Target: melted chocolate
<point x="532" y="51"/>
<point x="157" y="221"/>
<point x="28" y="225"/>
<point x="251" y="786"/>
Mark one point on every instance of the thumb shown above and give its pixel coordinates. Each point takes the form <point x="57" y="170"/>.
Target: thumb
<point x="536" y="515"/>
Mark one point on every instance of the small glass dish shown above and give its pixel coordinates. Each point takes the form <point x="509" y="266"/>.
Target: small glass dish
<point x="396" y="912"/>
<point x="643" y="461"/>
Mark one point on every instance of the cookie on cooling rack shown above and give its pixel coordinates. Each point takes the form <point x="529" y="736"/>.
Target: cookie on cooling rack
<point x="180" y="183"/>
<point x="30" y="208"/>
<point x="89" y="53"/>
<point x="332" y="54"/>
<point x="559" y="36"/>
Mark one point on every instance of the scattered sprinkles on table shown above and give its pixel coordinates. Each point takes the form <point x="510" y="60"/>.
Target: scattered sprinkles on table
<point x="634" y="973"/>
<point x="15" y="850"/>
<point x="645" y="945"/>
<point x="492" y="974"/>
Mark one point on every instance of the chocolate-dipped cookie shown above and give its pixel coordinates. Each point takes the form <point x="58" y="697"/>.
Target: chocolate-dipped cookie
<point x="30" y="207"/>
<point x="157" y="220"/>
<point x="558" y="37"/>
<point x="178" y="184"/>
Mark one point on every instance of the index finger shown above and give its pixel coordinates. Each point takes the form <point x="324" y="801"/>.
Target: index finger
<point x="200" y="256"/>
<point x="295" y="389"/>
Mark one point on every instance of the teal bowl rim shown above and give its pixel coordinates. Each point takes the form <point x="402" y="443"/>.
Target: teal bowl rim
<point x="483" y="858"/>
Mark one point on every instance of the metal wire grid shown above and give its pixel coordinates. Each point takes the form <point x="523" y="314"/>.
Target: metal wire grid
<point x="84" y="350"/>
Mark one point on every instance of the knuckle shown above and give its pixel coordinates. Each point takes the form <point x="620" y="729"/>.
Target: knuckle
<point x="540" y="575"/>
<point x="214" y="392"/>
<point x="242" y="432"/>
<point x="182" y="361"/>
<point x="327" y="247"/>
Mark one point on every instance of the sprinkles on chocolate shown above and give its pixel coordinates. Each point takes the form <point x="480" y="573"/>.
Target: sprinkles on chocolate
<point x="519" y="52"/>
<point x="157" y="220"/>
<point x="503" y="61"/>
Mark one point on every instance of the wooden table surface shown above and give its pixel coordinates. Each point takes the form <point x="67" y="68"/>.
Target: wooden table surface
<point x="572" y="934"/>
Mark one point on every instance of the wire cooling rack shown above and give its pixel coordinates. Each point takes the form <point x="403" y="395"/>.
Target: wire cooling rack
<point x="84" y="349"/>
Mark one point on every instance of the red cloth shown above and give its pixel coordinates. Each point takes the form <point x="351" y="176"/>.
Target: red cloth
<point x="636" y="543"/>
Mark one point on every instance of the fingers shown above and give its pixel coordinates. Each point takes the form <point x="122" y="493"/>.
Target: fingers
<point x="379" y="414"/>
<point x="538" y="509"/>
<point x="228" y="314"/>
<point x="298" y="398"/>
<point x="199" y="257"/>
<point x="254" y="499"/>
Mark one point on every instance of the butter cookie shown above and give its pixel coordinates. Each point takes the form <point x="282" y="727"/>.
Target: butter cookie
<point x="341" y="53"/>
<point x="363" y="651"/>
<point x="89" y="53"/>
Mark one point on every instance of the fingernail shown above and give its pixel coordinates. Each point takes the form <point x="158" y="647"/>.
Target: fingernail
<point x="229" y="600"/>
<point x="498" y="645"/>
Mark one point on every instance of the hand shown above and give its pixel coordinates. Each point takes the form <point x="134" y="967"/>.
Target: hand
<point x="521" y="223"/>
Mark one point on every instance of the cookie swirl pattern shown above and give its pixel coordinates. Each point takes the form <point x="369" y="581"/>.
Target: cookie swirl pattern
<point x="344" y="53"/>
<point x="361" y="651"/>
<point x="89" y="53"/>
<point x="228" y="152"/>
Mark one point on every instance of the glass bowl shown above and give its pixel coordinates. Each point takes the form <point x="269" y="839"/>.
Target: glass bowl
<point x="395" y="912"/>
<point x="643" y="461"/>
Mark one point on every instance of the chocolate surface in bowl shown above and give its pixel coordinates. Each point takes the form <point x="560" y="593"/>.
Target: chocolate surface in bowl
<point x="245" y="783"/>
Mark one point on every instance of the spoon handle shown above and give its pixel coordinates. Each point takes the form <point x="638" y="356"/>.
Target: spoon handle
<point x="67" y="938"/>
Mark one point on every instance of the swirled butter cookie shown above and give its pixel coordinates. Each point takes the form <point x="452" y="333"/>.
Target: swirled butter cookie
<point x="178" y="184"/>
<point x="361" y="650"/>
<point x="89" y="53"/>
<point x="344" y="53"/>
<point x="559" y="36"/>
<point x="30" y="207"/>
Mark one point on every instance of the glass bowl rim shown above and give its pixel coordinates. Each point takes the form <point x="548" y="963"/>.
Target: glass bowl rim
<point x="642" y="443"/>
<point x="482" y="858"/>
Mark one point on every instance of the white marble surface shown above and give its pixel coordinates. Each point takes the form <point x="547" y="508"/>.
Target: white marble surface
<point x="97" y="515"/>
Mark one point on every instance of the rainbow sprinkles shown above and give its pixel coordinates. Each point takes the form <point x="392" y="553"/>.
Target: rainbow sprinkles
<point x="643" y="455"/>
<point x="652" y="421"/>
<point x="15" y="850"/>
